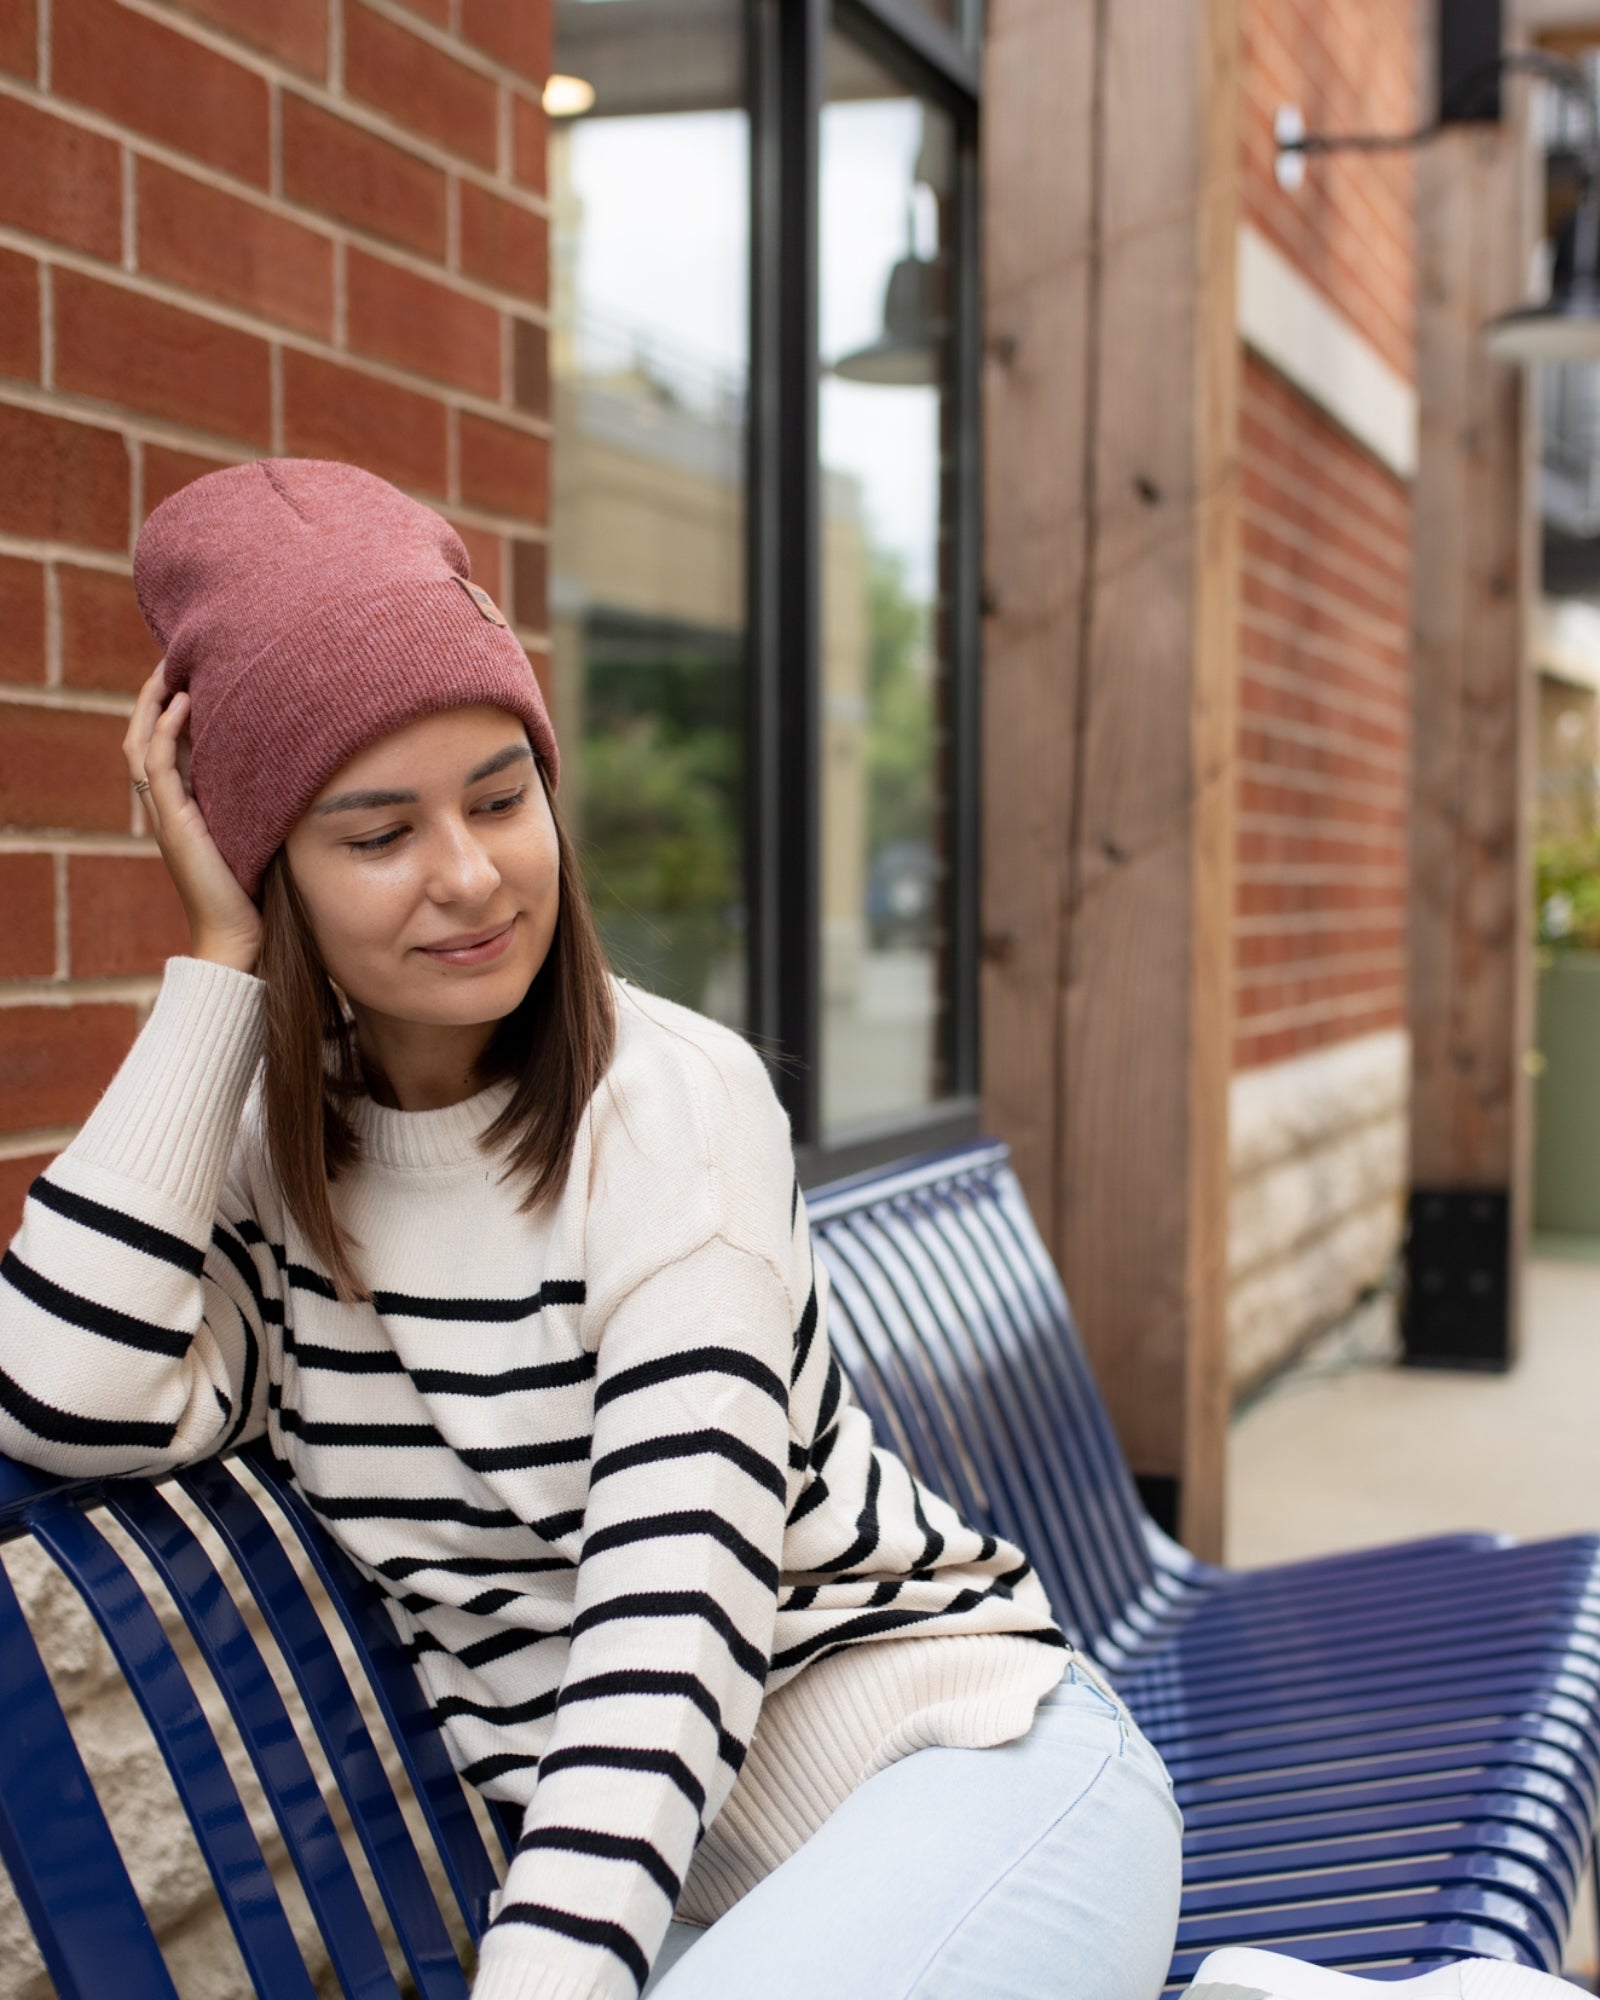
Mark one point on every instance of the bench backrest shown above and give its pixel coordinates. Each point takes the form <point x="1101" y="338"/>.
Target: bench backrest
<point x="954" y="1330"/>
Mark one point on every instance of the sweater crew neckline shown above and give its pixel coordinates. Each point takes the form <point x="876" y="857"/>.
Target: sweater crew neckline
<point x="424" y="1141"/>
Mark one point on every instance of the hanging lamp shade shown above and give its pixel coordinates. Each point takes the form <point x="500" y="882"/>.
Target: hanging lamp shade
<point x="1566" y="326"/>
<point x="910" y="350"/>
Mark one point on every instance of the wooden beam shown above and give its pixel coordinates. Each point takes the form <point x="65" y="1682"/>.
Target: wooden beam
<point x="1112" y="191"/>
<point x="1471" y="955"/>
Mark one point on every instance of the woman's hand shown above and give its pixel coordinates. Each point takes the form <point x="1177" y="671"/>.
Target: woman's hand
<point x="224" y="925"/>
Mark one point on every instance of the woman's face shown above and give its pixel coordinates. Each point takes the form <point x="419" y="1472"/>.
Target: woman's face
<point x="428" y="869"/>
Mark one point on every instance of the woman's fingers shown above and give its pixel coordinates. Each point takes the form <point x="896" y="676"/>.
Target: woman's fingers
<point x="146" y="713"/>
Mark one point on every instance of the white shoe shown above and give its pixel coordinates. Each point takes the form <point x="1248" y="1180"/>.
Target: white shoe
<point x="1268" y="1975"/>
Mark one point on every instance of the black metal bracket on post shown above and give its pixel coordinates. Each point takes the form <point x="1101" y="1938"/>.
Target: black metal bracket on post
<point x="1471" y="39"/>
<point x="1457" y="1309"/>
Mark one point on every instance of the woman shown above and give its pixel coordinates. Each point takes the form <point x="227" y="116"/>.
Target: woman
<point x="508" y="1262"/>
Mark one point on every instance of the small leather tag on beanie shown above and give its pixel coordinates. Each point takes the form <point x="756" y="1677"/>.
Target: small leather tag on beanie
<point x="487" y="608"/>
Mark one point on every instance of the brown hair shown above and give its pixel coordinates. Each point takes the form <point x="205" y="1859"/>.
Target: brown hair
<point x="554" y="1047"/>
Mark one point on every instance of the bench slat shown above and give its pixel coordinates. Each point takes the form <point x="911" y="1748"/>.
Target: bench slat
<point x="331" y="1704"/>
<point x="199" y="1772"/>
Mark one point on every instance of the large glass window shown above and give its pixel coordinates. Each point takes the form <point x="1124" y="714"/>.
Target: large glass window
<point x="887" y="185"/>
<point x="649" y="367"/>
<point x="763" y="544"/>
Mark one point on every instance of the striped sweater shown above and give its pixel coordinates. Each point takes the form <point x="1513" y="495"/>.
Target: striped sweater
<point x="661" y="1587"/>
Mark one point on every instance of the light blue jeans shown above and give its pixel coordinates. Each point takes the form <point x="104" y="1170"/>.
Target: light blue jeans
<point x="1044" y="1869"/>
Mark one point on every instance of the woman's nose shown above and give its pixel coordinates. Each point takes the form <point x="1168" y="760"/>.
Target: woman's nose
<point x="462" y="869"/>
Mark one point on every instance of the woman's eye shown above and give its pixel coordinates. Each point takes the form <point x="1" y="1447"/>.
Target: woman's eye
<point x="509" y="803"/>
<point x="376" y="843"/>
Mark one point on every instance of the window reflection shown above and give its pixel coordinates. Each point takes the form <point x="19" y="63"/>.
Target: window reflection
<point x="886" y="205"/>
<point x="649" y="363"/>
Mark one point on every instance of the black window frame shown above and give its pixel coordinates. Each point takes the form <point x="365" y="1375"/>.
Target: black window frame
<point x="787" y="44"/>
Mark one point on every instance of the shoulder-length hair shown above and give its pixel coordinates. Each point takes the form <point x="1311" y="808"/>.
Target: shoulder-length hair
<point x="554" y="1047"/>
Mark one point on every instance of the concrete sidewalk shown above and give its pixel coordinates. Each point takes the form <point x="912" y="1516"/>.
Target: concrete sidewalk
<point x="1348" y="1449"/>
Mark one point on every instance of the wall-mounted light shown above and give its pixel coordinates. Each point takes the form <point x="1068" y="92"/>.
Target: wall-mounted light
<point x="567" y="96"/>
<point x="1566" y="325"/>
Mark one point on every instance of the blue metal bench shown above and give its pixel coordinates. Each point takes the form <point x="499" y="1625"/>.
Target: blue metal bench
<point x="1385" y="1759"/>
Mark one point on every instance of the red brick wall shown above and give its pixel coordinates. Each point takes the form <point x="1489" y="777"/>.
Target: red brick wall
<point x="1324" y="722"/>
<point x="1350" y="66"/>
<point x="1325" y="585"/>
<point x="227" y="228"/>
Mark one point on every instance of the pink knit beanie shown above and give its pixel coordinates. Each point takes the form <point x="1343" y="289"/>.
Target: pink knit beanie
<point x="309" y="608"/>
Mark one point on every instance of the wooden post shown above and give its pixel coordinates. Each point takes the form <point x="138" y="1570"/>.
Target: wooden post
<point x="1471" y="951"/>
<point x="1111" y="190"/>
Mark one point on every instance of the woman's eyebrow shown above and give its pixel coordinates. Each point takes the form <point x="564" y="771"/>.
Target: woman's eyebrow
<point x="367" y="801"/>
<point x="509" y="755"/>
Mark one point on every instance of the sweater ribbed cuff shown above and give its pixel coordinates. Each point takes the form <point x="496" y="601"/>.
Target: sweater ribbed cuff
<point x="170" y="1115"/>
<point x="510" y="1969"/>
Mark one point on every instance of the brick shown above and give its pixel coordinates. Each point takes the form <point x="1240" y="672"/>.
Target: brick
<point x="504" y="245"/>
<point x="505" y="470"/>
<point x="334" y="412"/>
<point x="409" y="320"/>
<point x="483" y="548"/>
<point x="437" y="11"/>
<point x="148" y="355"/>
<point x="64" y="482"/>
<point x="21" y="619"/>
<point x="19" y="48"/>
<point x="28" y="935"/>
<point x="530" y="139"/>
<point x="166" y="470"/>
<point x="105" y="642"/>
<point x="155" y="79"/>
<point x="333" y="166"/>
<point x="19" y="316"/>
<point x="519" y="36"/>
<point x="62" y="770"/>
<point x="530" y="367"/>
<point x="529" y="584"/>
<point x="55" y="1062"/>
<point x="295" y="31"/>
<point x="123" y="916"/>
<point x="16" y="1177"/>
<point x="59" y="181"/>
<point x="212" y="243"/>
<point x="417" y="85"/>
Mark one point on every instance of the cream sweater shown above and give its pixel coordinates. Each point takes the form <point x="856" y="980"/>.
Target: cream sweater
<point x="661" y="1587"/>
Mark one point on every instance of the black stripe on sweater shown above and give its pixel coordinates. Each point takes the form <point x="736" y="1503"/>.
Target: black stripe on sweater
<point x="121" y="1228"/>
<point x="430" y="1507"/>
<point x="503" y="1714"/>
<point x="808" y="1503"/>
<point x="677" y="1604"/>
<point x="252" y="1365"/>
<point x="75" y="1310"/>
<point x="484" y="1652"/>
<point x="693" y="1361"/>
<point x="487" y="1768"/>
<point x="605" y="1847"/>
<point x="520" y="1457"/>
<point x="867" y="1536"/>
<point x="805" y="1332"/>
<point x="868" y="1624"/>
<point x="653" y="1681"/>
<point x="690" y="1444"/>
<point x="583" y="1930"/>
<point x="229" y="1239"/>
<point x="62" y="1427"/>
<point x="690" y="1521"/>
<point x="619" y="1757"/>
<point x="409" y="1305"/>
<point x="395" y="1436"/>
<point x="546" y="1375"/>
<point x="398" y="1568"/>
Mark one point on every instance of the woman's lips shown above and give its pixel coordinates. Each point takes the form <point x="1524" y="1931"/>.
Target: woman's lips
<point x="473" y="951"/>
